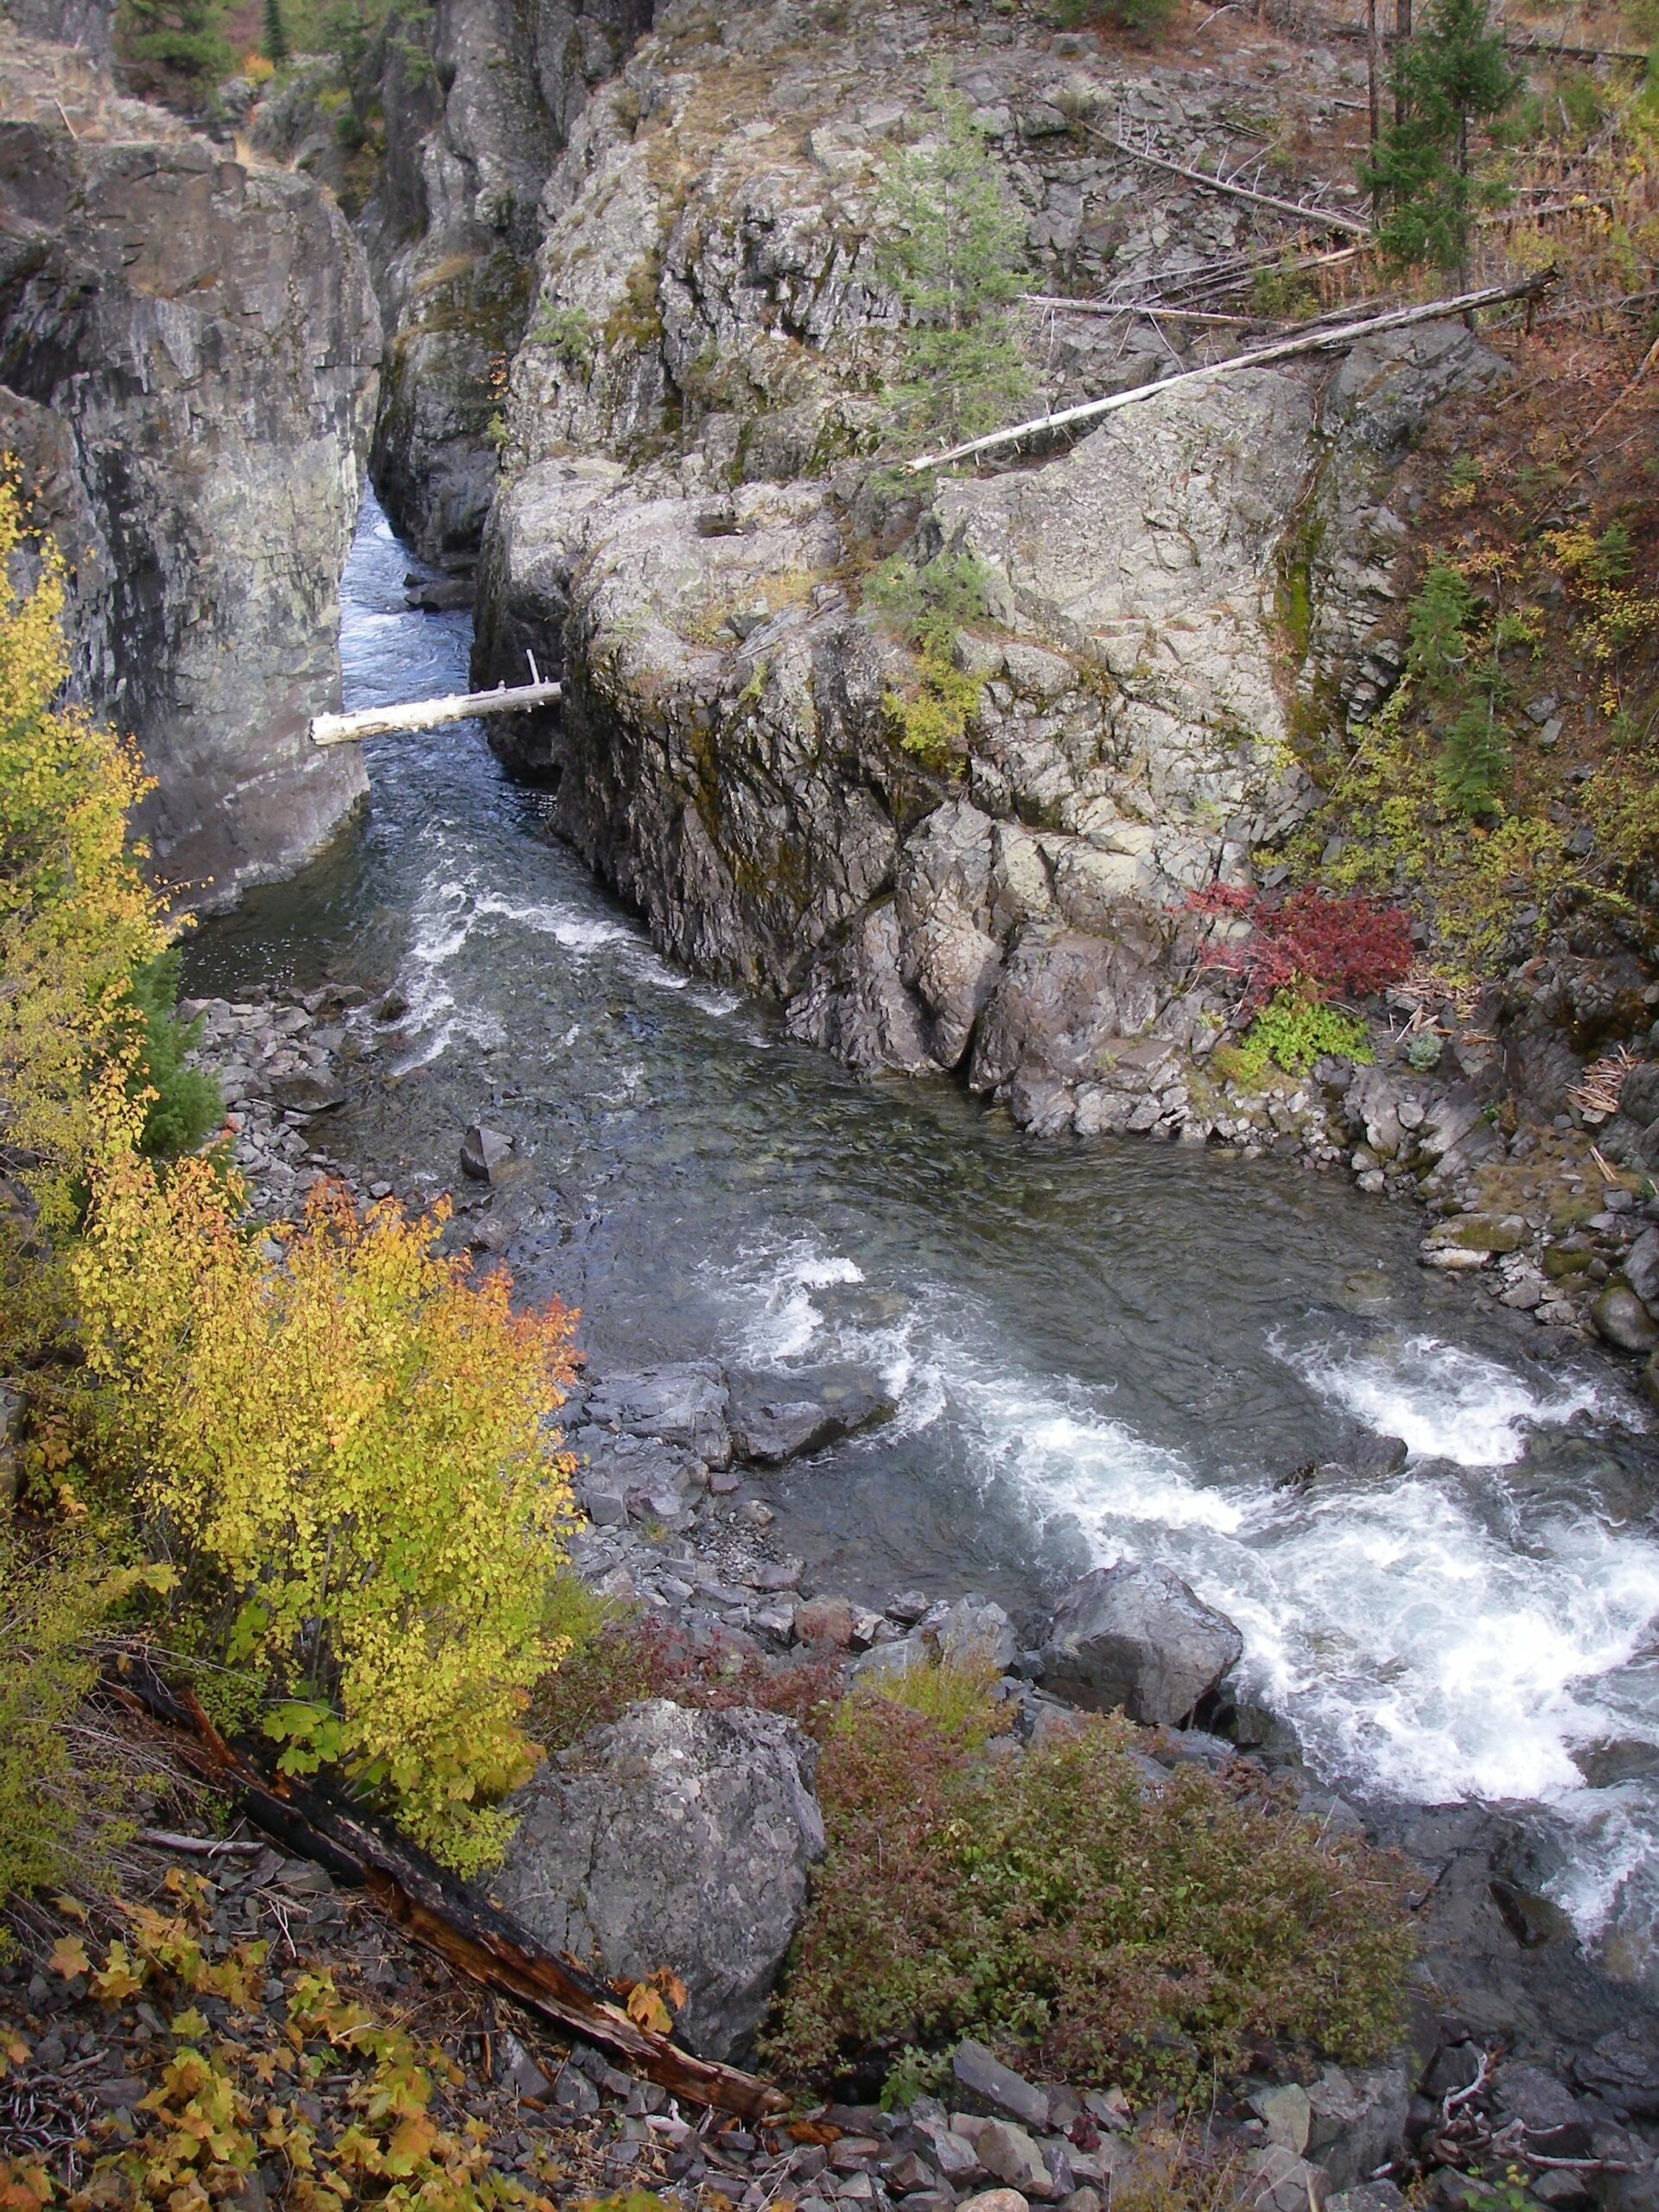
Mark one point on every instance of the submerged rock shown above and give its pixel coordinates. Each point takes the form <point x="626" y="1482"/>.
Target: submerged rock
<point x="673" y="1839"/>
<point x="1138" y="1638"/>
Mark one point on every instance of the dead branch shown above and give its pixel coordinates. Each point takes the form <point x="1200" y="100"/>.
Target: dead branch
<point x="1284" y="349"/>
<point x="198" y="1847"/>
<point x="432" y="1908"/>
<point x="1326" y="217"/>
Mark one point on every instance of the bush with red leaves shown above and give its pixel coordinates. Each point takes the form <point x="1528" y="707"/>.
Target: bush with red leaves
<point x="1325" y="948"/>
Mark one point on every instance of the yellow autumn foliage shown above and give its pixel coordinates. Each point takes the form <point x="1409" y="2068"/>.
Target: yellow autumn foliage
<point x="76" y="918"/>
<point x="351" y="1449"/>
<point x="343" y="1445"/>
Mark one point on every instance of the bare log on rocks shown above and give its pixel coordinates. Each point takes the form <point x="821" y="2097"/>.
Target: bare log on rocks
<point x="1284" y="349"/>
<point x="433" y="1908"/>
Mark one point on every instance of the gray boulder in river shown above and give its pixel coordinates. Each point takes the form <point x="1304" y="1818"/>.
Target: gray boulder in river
<point x="189" y="362"/>
<point x="673" y="1839"/>
<point x="1137" y="1637"/>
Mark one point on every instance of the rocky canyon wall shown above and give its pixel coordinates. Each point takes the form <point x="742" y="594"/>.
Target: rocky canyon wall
<point x="189" y="348"/>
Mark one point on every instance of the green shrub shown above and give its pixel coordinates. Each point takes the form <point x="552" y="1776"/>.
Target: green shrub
<point x="1473" y="762"/>
<point x="188" y="1105"/>
<point x="1114" y="14"/>
<point x="569" y="334"/>
<point x="932" y="722"/>
<point x="1054" y="1905"/>
<point x="1292" y="1031"/>
<point x="955" y="1694"/>
<point x="927" y="606"/>
<point x="951" y="249"/>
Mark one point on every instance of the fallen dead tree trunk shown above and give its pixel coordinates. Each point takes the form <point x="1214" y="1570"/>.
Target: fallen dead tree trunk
<point x="1319" y="218"/>
<point x="429" y="713"/>
<point x="432" y="1908"/>
<point x="1284" y="349"/>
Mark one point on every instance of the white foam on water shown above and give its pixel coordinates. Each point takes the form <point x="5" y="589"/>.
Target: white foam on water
<point x="1433" y="1637"/>
<point x="1444" y="1403"/>
<point x="782" y="1322"/>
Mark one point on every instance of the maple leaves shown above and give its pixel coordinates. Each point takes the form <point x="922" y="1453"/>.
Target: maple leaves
<point x="652" y="2003"/>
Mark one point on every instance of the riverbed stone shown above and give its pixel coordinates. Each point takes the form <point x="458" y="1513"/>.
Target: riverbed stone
<point x="1642" y="1267"/>
<point x="983" y="2075"/>
<point x="777" y="1418"/>
<point x="483" y="1153"/>
<point x="1285" y="2113"/>
<point x="673" y="1837"/>
<point x="1008" y="2152"/>
<point x="1138" y="1638"/>
<point x="684" y="1402"/>
<point x="1358" y="2119"/>
<point x="1621" y="1321"/>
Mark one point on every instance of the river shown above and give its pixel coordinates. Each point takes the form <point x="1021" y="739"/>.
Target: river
<point x="1098" y="1351"/>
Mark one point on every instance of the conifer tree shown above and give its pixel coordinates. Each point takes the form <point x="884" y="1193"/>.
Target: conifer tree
<point x="185" y="37"/>
<point x="1453" y="75"/>
<point x="276" y="34"/>
<point x="953" y="252"/>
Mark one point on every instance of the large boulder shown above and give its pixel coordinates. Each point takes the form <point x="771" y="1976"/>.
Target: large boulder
<point x="673" y="1839"/>
<point x="1137" y="1637"/>
<point x="684" y="1403"/>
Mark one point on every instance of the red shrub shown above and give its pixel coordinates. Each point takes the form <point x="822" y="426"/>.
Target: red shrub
<point x="1322" y="946"/>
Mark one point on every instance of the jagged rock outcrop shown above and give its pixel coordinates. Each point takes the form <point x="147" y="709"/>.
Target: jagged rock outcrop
<point x="685" y="523"/>
<point x="188" y="349"/>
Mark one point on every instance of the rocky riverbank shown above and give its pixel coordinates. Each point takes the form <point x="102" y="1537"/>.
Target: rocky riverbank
<point x="687" y="1525"/>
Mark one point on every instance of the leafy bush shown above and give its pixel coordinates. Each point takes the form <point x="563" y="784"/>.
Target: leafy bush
<point x="1309" y="943"/>
<point x="349" y="1453"/>
<point x="932" y="721"/>
<point x="1055" y="1905"/>
<point x="1292" y="1031"/>
<point x="52" y="1602"/>
<point x="186" y="1104"/>
<point x="77" y="921"/>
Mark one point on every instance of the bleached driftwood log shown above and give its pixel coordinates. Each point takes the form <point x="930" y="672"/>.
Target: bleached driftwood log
<point x="427" y="714"/>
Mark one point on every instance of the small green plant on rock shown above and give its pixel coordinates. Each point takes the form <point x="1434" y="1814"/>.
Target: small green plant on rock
<point x="569" y="334"/>
<point x="1293" y="1031"/>
<point x="928" y="605"/>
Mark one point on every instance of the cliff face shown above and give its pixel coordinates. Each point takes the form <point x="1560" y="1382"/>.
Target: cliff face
<point x="188" y="350"/>
<point x="686" y="524"/>
<point x="474" y="126"/>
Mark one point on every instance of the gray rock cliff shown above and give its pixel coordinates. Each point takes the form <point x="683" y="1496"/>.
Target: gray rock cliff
<point x="188" y="349"/>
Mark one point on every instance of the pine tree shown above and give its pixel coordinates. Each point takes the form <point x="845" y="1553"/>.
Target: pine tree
<point x="952" y="251"/>
<point x="1451" y="75"/>
<point x="276" y="34"/>
<point x="185" y="37"/>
